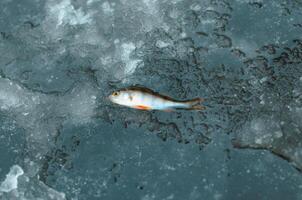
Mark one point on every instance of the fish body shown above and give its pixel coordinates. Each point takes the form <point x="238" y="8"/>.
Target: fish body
<point x="146" y="99"/>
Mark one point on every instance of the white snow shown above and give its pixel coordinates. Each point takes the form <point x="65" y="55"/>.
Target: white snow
<point x="261" y="131"/>
<point x="65" y="13"/>
<point x="166" y="166"/>
<point x="183" y="35"/>
<point x="131" y="64"/>
<point x="195" y="7"/>
<point x="263" y="79"/>
<point x="8" y="100"/>
<point x="89" y="2"/>
<point x="174" y="14"/>
<point x="27" y="187"/>
<point x="162" y="44"/>
<point x="11" y="181"/>
<point x="258" y="141"/>
<point x="107" y="8"/>
<point x="176" y="1"/>
<point x="278" y="134"/>
<point x="152" y="16"/>
<point x="265" y="130"/>
<point x="13" y="96"/>
<point x="82" y="105"/>
<point x="247" y="46"/>
<point x="152" y="6"/>
<point x="218" y="196"/>
<point x="148" y="197"/>
<point x="51" y="193"/>
<point x="262" y="102"/>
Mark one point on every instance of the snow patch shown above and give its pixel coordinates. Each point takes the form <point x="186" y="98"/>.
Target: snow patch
<point x="81" y="104"/>
<point x="131" y="64"/>
<point x="107" y="8"/>
<point x="262" y="101"/>
<point x="174" y="14"/>
<point x="297" y="113"/>
<point x="65" y="13"/>
<point x="11" y="181"/>
<point x="183" y="35"/>
<point x="176" y="1"/>
<point x="27" y="186"/>
<point x="162" y="44"/>
<point x="264" y="131"/>
<point x="8" y="99"/>
<point x="278" y="134"/>
<point x="248" y="47"/>
<point x="89" y="2"/>
<point x="153" y="17"/>
<point x="261" y="132"/>
<point x="195" y="7"/>
<point x="151" y="5"/>
<point x="13" y="96"/>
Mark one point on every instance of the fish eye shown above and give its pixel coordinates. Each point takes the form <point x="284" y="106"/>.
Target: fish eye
<point x="115" y="94"/>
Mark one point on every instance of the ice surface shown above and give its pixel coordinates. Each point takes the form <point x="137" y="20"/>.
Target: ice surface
<point x="59" y="60"/>
<point x="65" y="13"/>
<point x="26" y="187"/>
<point x="127" y="49"/>
<point x="11" y="181"/>
<point x="41" y="116"/>
<point x="107" y="8"/>
<point x="278" y="128"/>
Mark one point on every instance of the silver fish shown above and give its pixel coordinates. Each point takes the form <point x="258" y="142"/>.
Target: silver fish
<point x="146" y="99"/>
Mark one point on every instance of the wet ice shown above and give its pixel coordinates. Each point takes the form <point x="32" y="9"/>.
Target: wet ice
<point x="20" y="185"/>
<point x="11" y="181"/>
<point x="60" y="62"/>
<point x="65" y="13"/>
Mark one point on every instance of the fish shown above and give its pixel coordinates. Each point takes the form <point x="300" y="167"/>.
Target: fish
<point x="143" y="98"/>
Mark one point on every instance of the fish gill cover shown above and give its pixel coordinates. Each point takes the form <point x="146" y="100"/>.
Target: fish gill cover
<point x="60" y="138"/>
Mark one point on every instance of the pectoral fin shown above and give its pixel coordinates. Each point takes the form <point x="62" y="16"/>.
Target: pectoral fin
<point x="142" y="107"/>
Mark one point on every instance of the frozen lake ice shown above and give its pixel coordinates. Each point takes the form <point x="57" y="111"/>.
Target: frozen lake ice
<point x="60" y="137"/>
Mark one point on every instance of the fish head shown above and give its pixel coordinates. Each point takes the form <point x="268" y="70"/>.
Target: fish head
<point x="119" y="97"/>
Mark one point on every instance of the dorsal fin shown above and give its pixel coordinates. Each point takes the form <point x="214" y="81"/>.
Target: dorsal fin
<point x="149" y="91"/>
<point x="141" y="88"/>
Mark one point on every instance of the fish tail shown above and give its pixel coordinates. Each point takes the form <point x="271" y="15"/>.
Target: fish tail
<point x="194" y="104"/>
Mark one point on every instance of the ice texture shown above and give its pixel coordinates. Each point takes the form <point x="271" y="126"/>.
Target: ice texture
<point x="26" y="187"/>
<point x="127" y="49"/>
<point x="65" y="13"/>
<point x="59" y="60"/>
<point x="11" y="181"/>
